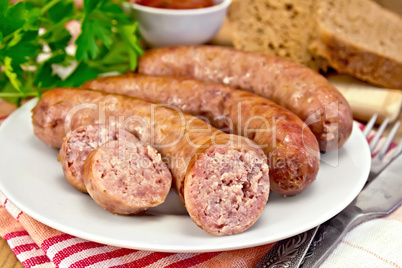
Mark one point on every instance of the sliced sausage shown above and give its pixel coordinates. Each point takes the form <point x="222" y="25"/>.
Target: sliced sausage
<point x="289" y="84"/>
<point x="192" y="148"/>
<point x="126" y="178"/>
<point x="221" y="189"/>
<point x="291" y="147"/>
<point x="80" y="142"/>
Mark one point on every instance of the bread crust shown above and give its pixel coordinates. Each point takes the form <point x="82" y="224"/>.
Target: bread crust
<point x="346" y="57"/>
<point x="346" y="35"/>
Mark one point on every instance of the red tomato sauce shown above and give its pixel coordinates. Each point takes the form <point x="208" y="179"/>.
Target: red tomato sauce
<point x="176" y="4"/>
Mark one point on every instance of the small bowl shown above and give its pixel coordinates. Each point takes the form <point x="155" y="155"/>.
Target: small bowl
<point x="169" y="27"/>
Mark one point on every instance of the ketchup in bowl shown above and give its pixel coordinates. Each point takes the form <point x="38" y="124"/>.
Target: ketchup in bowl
<point x="175" y="4"/>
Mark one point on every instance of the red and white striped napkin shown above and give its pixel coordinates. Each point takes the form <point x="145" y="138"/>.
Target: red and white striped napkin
<point x="373" y="244"/>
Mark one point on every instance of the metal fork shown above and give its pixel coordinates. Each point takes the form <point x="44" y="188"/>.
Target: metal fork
<point x="322" y="247"/>
<point x="302" y="246"/>
<point x="379" y="162"/>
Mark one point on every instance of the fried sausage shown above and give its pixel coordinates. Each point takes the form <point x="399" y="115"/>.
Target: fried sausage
<point x="125" y="178"/>
<point x="289" y="84"/>
<point x="222" y="178"/>
<point x="291" y="147"/>
<point x="80" y="142"/>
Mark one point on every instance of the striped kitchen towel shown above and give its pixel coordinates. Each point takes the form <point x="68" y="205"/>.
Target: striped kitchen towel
<point x="37" y="245"/>
<point x="376" y="243"/>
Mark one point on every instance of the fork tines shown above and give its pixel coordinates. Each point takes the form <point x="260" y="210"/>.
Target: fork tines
<point x="379" y="146"/>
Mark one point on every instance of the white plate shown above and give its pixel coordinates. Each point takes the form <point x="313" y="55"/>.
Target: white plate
<point x="33" y="180"/>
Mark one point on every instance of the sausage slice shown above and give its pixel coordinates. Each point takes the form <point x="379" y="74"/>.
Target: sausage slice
<point x="225" y="190"/>
<point x="80" y="142"/>
<point x="126" y="178"/>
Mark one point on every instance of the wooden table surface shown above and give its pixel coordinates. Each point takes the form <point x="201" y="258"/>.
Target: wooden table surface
<point x="7" y="257"/>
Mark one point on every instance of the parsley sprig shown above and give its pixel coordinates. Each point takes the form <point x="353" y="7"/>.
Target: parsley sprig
<point x="33" y="41"/>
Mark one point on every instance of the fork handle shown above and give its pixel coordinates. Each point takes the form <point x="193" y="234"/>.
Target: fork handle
<point x="331" y="233"/>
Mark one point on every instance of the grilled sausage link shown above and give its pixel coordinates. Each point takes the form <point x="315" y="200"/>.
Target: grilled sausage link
<point x="222" y="178"/>
<point x="289" y="84"/>
<point x="291" y="147"/>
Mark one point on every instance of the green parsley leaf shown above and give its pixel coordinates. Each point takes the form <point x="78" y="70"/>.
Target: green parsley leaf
<point x="109" y="41"/>
<point x="90" y="5"/>
<point x="61" y="10"/>
<point x="12" y="76"/>
<point x="13" y="19"/>
<point x="80" y="75"/>
<point x="45" y="77"/>
<point x="92" y="30"/>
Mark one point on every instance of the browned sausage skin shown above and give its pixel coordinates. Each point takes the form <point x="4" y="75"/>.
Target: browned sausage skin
<point x="125" y="178"/>
<point x="49" y="116"/>
<point x="291" y="85"/>
<point x="190" y="146"/>
<point x="290" y="146"/>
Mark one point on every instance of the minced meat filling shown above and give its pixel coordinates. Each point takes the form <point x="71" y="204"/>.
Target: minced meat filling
<point x="134" y="174"/>
<point x="229" y="189"/>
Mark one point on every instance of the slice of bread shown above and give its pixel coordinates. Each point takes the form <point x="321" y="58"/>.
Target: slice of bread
<point x="280" y="27"/>
<point x="357" y="37"/>
<point x="361" y="38"/>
